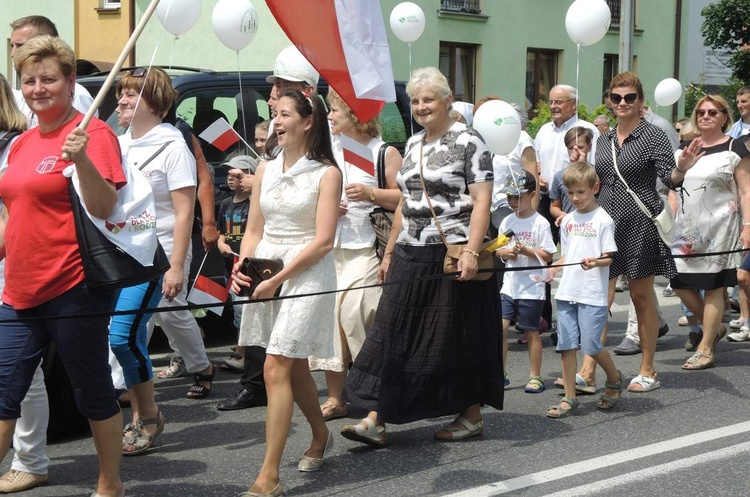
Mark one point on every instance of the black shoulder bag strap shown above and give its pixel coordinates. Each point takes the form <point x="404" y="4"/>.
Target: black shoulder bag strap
<point x="148" y="161"/>
<point x="5" y="140"/>
<point x="381" y="166"/>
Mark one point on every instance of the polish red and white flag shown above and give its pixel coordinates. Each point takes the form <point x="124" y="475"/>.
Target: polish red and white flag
<point x="220" y="134"/>
<point x="353" y="56"/>
<point x="358" y="155"/>
<point x="207" y="291"/>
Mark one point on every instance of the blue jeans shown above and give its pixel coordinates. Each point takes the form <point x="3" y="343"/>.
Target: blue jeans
<point x="81" y="344"/>
<point x="128" y="335"/>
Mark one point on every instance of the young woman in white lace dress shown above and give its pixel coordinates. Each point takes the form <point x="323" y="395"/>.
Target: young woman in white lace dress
<point x="297" y="198"/>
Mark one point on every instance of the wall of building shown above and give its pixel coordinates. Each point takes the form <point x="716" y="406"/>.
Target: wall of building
<point x="101" y="34"/>
<point x="61" y="12"/>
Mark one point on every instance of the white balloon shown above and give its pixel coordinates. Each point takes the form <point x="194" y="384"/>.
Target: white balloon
<point x="178" y="16"/>
<point x="235" y="23"/>
<point x="668" y="91"/>
<point x="407" y="21"/>
<point x="499" y="125"/>
<point x="587" y="21"/>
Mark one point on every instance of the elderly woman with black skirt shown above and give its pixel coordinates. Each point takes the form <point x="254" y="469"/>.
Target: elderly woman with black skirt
<point x="433" y="349"/>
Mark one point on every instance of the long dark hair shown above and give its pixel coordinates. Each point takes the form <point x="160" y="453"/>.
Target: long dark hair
<point x="318" y="139"/>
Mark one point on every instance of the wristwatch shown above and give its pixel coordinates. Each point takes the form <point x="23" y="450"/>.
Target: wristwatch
<point x="372" y="194"/>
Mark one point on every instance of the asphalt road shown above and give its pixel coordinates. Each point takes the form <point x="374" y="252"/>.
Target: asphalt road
<point x="690" y="437"/>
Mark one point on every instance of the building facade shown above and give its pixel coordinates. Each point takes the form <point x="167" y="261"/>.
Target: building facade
<point x="517" y="49"/>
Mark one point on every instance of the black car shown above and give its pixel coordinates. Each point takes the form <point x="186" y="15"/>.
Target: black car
<point x="205" y="96"/>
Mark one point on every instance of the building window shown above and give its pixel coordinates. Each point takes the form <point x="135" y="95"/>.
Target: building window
<point x="466" y="6"/>
<point x="109" y="4"/>
<point x="458" y="64"/>
<point x="541" y="74"/>
<point x="615" y="9"/>
<point x="611" y="68"/>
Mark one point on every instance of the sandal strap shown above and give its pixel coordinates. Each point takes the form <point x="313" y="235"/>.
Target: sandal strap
<point x="153" y="421"/>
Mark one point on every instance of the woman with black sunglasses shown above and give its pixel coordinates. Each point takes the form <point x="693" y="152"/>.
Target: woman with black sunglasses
<point x="641" y="151"/>
<point x="716" y="183"/>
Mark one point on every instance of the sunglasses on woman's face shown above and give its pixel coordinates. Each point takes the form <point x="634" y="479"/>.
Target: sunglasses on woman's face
<point x="711" y="112"/>
<point x="630" y="98"/>
<point x="139" y="72"/>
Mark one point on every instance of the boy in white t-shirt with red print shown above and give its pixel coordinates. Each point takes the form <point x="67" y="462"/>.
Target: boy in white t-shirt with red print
<point x="522" y="294"/>
<point x="587" y="237"/>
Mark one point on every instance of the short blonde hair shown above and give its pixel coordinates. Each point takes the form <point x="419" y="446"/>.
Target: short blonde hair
<point x="11" y="119"/>
<point x="580" y="173"/>
<point x="370" y="128"/>
<point x="723" y="106"/>
<point x="44" y="47"/>
<point x="430" y="78"/>
<point x="154" y="85"/>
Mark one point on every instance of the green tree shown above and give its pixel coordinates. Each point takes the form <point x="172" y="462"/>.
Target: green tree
<point x="726" y="25"/>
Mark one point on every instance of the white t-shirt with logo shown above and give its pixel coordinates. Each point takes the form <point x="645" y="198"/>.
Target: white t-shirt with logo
<point x="585" y="235"/>
<point x="533" y="231"/>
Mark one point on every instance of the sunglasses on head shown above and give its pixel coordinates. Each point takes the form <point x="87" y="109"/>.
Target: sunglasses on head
<point x="139" y="72"/>
<point x="711" y="112"/>
<point x="617" y="98"/>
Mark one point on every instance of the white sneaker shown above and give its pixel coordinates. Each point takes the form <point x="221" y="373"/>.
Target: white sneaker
<point x="683" y="321"/>
<point x="740" y="336"/>
<point x="736" y="324"/>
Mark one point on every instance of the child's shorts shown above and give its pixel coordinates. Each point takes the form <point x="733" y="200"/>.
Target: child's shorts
<point x="580" y="323"/>
<point x="526" y="312"/>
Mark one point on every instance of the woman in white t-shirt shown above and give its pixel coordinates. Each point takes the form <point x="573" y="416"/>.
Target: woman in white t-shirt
<point x="159" y="151"/>
<point x="357" y="263"/>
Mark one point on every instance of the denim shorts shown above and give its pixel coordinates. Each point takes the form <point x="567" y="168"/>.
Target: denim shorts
<point x="526" y="312"/>
<point x="580" y="323"/>
<point x="82" y="344"/>
<point x="745" y="266"/>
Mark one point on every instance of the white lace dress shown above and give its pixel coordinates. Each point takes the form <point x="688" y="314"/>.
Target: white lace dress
<point x="298" y="327"/>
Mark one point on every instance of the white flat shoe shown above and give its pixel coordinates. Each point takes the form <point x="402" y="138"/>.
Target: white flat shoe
<point x="308" y="464"/>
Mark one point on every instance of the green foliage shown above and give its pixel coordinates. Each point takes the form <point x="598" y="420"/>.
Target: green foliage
<point x="543" y="116"/>
<point x="726" y="24"/>
<point x="696" y="91"/>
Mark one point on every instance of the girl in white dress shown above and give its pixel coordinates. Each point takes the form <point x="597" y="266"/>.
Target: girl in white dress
<point x="296" y="198"/>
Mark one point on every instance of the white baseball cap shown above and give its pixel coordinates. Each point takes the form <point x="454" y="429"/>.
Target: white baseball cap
<point x="291" y="65"/>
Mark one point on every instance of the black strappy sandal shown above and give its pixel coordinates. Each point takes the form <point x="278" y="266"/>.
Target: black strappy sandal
<point x="198" y="391"/>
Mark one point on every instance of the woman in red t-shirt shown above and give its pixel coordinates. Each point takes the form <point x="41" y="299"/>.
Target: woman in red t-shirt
<point x="43" y="275"/>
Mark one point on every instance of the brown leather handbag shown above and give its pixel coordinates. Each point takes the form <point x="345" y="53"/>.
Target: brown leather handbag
<point x="259" y="270"/>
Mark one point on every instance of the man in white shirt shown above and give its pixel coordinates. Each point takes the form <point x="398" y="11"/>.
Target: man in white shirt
<point x="551" y="153"/>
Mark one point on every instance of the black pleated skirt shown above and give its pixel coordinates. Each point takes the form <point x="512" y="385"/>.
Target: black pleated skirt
<point x="434" y="348"/>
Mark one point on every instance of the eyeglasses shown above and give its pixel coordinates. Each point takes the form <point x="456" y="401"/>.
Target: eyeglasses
<point x="559" y="102"/>
<point x="630" y="98"/>
<point x="139" y="72"/>
<point x="711" y="112"/>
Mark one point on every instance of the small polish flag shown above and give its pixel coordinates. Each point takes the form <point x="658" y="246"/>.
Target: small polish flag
<point x="220" y="134"/>
<point x="358" y="155"/>
<point x="207" y="291"/>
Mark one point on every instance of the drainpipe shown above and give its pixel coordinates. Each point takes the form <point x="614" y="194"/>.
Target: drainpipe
<point x="131" y="28"/>
<point x="627" y="25"/>
<point x="677" y="49"/>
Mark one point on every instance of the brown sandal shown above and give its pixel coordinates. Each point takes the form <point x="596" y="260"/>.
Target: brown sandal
<point x="332" y="411"/>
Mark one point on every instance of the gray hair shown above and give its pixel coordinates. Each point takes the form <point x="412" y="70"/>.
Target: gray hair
<point x="430" y="78"/>
<point x="602" y="117"/>
<point x="570" y="89"/>
<point x="523" y="114"/>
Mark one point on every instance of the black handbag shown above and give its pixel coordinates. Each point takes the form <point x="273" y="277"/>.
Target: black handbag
<point x="259" y="270"/>
<point x="105" y="265"/>
<point x="381" y="219"/>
